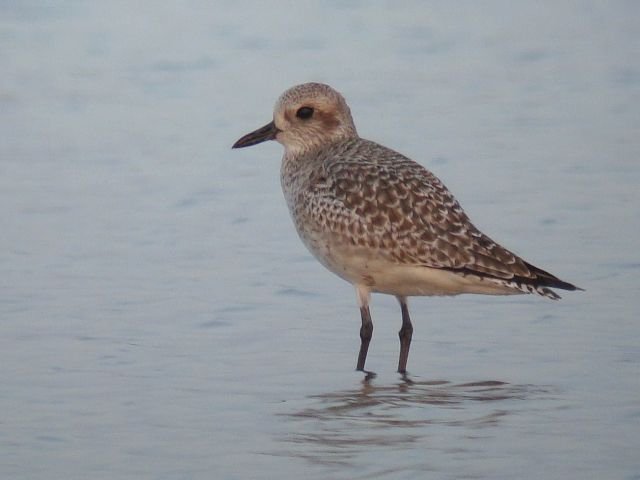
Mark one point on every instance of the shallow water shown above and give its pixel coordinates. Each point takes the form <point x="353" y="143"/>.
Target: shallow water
<point x="160" y="319"/>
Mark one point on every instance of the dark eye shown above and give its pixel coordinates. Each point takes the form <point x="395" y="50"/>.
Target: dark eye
<point x="304" y="113"/>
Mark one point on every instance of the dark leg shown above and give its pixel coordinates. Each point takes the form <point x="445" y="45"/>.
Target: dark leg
<point x="405" y="334"/>
<point x="366" y="331"/>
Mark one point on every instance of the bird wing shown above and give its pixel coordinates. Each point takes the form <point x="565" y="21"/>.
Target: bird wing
<point x="383" y="200"/>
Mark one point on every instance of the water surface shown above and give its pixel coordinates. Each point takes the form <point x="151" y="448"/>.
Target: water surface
<point x="160" y="319"/>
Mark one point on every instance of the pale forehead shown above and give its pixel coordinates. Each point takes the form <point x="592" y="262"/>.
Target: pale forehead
<point x="310" y="92"/>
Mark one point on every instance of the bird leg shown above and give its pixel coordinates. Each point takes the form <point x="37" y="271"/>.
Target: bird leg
<point x="366" y="331"/>
<point x="405" y="334"/>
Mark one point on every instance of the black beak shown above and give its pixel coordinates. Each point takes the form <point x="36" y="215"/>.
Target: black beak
<point x="268" y="132"/>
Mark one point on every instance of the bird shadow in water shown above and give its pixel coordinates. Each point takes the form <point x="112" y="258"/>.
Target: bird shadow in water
<point x="339" y="425"/>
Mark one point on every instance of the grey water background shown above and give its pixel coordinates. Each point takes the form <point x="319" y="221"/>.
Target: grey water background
<point x="160" y="319"/>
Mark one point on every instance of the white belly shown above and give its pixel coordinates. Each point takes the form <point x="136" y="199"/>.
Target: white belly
<point x="370" y="269"/>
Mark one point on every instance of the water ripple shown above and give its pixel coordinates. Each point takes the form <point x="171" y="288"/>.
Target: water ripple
<point x="341" y="426"/>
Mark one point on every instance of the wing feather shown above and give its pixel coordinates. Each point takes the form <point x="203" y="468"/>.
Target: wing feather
<point x="378" y="198"/>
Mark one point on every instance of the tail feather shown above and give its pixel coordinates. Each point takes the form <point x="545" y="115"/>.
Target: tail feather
<point x="545" y="279"/>
<point x="538" y="282"/>
<point x="531" y="288"/>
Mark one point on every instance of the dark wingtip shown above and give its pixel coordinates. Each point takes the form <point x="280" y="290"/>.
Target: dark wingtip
<point x="557" y="283"/>
<point x="541" y="282"/>
<point x="546" y="279"/>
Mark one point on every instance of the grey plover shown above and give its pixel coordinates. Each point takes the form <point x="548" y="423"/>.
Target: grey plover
<point x="378" y="219"/>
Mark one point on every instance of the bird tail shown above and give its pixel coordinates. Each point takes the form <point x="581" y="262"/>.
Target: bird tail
<point x="540" y="282"/>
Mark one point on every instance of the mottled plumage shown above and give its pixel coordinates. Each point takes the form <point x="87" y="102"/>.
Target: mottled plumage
<point x="380" y="220"/>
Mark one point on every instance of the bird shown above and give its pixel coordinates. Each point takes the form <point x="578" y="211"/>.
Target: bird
<point x="380" y="220"/>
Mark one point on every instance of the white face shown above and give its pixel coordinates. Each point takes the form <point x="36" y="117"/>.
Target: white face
<point x="305" y="117"/>
<point x="307" y="123"/>
<point x="311" y="115"/>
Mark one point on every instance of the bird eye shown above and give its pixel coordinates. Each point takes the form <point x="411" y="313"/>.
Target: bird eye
<point x="304" y="113"/>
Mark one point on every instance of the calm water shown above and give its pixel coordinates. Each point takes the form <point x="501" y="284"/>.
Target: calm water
<point x="160" y="319"/>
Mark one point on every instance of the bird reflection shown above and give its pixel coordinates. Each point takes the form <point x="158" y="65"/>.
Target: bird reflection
<point x="339" y="425"/>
